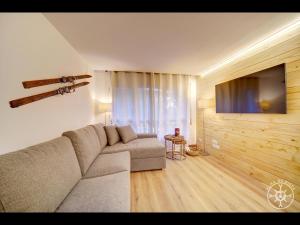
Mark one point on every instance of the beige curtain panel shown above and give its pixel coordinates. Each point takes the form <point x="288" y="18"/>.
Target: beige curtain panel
<point x="153" y="102"/>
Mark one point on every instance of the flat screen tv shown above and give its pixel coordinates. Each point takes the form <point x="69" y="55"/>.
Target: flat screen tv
<point x="260" y="92"/>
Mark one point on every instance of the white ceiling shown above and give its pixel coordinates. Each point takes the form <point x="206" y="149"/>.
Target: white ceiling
<point x="163" y="42"/>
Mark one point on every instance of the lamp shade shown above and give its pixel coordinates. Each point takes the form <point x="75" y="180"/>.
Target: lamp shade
<point x="105" y="107"/>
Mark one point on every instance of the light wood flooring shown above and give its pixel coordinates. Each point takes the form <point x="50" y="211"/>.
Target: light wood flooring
<point x="198" y="184"/>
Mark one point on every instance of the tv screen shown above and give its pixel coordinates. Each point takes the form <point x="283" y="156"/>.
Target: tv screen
<point x="260" y="92"/>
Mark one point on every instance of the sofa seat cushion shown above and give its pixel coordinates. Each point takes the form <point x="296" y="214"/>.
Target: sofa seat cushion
<point x="38" y="178"/>
<point x="110" y="193"/>
<point x="86" y="144"/>
<point x="139" y="148"/>
<point x="106" y="164"/>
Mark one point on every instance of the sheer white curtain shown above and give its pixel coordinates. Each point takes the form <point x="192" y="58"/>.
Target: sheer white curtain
<point x="152" y="102"/>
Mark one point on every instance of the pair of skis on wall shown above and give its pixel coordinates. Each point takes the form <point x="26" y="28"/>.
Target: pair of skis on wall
<point x="36" y="83"/>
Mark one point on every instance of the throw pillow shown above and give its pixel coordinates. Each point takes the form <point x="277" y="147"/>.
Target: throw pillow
<point x="127" y="133"/>
<point x="112" y="134"/>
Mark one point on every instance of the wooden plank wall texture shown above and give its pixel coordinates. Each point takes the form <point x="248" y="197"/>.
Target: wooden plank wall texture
<point x="265" y="146"/>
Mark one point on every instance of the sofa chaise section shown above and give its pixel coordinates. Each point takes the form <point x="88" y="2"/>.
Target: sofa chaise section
<point x="146" y="152"/>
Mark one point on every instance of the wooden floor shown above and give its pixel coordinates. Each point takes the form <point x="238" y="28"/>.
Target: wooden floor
<point x="198" y="184"/>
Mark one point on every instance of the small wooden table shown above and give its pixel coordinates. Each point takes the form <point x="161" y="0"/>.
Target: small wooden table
<point x="175" y="140"/>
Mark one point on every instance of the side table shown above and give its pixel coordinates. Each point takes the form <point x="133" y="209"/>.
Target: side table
<point x="175" y="140"/>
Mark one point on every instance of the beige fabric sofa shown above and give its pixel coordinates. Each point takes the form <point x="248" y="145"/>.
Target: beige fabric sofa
<point x="77" y="172"/>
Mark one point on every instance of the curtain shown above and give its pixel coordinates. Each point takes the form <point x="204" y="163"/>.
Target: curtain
<point x="153" y="102"/>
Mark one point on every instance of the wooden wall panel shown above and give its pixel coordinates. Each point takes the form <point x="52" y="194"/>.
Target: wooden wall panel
<point x="264" y="146"/>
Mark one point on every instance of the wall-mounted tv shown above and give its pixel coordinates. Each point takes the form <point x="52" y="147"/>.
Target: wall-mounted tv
<point x="260" y="92"/>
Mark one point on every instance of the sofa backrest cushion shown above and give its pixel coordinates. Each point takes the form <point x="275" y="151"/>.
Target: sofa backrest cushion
<point x="38" y="178"/>
<point x="126" y="133"/>
<point x="99" y="128"/>
<point x="112" y="135"/>
<point x="86" y="144"/>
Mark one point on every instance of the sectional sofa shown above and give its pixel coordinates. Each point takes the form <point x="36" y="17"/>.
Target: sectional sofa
<point x="77" y="172"/>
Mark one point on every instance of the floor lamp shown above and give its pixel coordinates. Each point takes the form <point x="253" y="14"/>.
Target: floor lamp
<point x="203" y="104"/>
<point x="105" y="108"/>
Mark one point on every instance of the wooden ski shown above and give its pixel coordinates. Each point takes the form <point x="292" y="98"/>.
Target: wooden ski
<point x="26" y="100"/>
<point x="37" y="83"/>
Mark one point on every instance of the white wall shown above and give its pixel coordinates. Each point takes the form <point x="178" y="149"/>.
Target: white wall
<point x="102" y="93"/>
<point x="31" y="48"/>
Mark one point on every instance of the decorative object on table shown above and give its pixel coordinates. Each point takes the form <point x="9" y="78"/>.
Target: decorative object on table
<point x="203" y="104"/>
<point x="177" y="132"/>
<point x="26" y="100"/>
<point x="68" y="79"/>
<point x="105" y="108"/>
<point x="175" y="140"/>
<point x="193" y="150"/>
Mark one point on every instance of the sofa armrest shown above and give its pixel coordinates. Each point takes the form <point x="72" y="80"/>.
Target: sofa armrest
<point x="146" y="135"/>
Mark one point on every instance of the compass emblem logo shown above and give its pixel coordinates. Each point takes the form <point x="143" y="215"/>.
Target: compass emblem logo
<point x="280" y="194"/>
